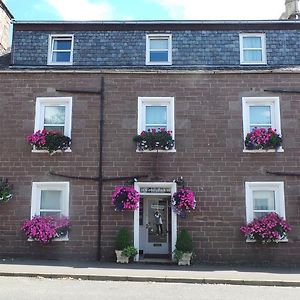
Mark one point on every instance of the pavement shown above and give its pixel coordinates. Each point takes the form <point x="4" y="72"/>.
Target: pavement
<point x="202" y="274"/>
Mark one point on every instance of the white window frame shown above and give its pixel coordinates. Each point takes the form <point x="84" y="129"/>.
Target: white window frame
<point x="262" y="36"/>
<point x="273" y="102"/>
<point x="41" y="102"/>
<point x="38" y="187"/>
<point x="156" y="101"/>
<point x="276" y="186"/>
<point x="158" y="37"/>
<point x="52" y="38"/>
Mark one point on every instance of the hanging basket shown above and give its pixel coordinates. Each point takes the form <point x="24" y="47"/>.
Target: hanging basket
<point x="183" y="201"/>
<point x="125" y="198"/>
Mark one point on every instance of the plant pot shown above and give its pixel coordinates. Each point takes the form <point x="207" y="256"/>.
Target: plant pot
<point x="185" y="260"/>
<point x="122" y="259"/>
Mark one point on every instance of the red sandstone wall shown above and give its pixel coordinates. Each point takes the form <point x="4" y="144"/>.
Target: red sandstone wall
<point x="209" y="143"/>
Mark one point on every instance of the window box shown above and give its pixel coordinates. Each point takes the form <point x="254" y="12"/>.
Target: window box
<point x="263" y="139"/>
<point x="253" y="49"/>
<point x="49" y="141"/>
<point x="60" y="49"/>
<point x="154" y="140"/>
<point x="267" y="229"/>
<point x="158" y="49"/>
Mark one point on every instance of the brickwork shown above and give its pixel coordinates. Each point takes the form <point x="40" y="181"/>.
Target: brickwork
<point x="127" y="48"/>
<point x="209" y="143"/>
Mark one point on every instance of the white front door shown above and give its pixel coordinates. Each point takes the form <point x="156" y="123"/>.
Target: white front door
<point x="149" y="236"/>
<point x="155" y="226"/>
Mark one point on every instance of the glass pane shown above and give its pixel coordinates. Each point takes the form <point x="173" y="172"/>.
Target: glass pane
<point x="156" y="115"/>
<point x="264" y="200"/>
<point x="158" y="56"/>
<point x="260" y="115"/>
<point x="51" y="200"/>
<point x="252" y="42"/>
<point x="62" y="45"/>
<point x="50" y="213"/>
<point x="54" y="115"/>
<point x="252" y="55"/>
<point x="61" y="56"/>
<point x="158" y="44"/>
<point x="157" y="220"/>
<point x="258" y="215"/>
<point x="60" y="129"/>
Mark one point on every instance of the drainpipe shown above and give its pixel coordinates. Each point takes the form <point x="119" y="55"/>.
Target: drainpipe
<point x="100" y="174"/>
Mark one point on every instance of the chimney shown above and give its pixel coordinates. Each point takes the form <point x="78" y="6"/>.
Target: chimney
<point x="291" y="10"/>
<point x="5" y="18"/>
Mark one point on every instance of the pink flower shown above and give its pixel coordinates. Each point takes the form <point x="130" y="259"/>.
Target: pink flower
<point x="125" y="198"/>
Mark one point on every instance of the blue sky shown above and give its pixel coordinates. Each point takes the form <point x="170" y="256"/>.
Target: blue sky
<point x="145" y="9"/>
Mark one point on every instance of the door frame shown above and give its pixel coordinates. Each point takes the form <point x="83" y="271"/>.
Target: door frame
<point x="136" y="223"/>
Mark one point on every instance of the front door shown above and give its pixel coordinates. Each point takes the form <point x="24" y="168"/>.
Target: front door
<point x="155" y="228"/>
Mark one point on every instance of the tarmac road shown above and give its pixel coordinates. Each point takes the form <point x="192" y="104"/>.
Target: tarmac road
<point x="22" y="288"/>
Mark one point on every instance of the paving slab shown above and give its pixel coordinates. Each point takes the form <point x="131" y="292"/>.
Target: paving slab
<point x="263" y="276"/>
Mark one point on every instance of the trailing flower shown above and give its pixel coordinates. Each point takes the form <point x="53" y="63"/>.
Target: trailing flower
<point x="183" y="201"/>
<point x="5" y="190"/>
<point x="125" y="198"/>
<point x="154" y="140"/>
<point x="261" y="138"/>
<point x="49" y="140"/>
<point x="268" y="229"/>
<point x="45" y="228"/>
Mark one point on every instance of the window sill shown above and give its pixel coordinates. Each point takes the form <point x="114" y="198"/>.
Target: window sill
<point x="69" y="150"/>
<point x="156" y="151"/>
<point x="159" y="63"/>
<point x="263" y="151"/>
<point x="60" y="64"/>
<point x="278" y="241"/>
<point x="253" y="63"/>
<point x="59" y="239"/>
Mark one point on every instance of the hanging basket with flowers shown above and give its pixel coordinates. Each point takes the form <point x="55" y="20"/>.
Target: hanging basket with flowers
<point x="263" y="139"/>
<point x="5" y="190"/>
<point x="125" y="198"/>
<point x="154" y="140"/>
<point x="50" y="141"/>
<point x="269" y="229"/>
<point x="183" y="201"/>
<point x="46" y="228"/>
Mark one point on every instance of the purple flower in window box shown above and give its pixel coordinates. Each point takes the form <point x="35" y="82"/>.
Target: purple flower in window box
<point x="154" y="140"/>
<point x="45" y="228"/>
<point x="261" y="138"/>
<point x="269" y="229"/>
<point x="49" y="140"/>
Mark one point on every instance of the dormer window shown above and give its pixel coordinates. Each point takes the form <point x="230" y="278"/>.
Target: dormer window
<point x="60" y="50"/>
<point x="253" y="48"/>
<point x="158" y="49"/>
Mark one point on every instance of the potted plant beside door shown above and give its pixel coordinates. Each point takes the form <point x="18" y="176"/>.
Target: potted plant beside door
<point x="184" y="248"/>
<point x="124" y="248"/>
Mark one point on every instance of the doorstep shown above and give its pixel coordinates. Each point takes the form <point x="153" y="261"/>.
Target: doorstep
<point x="154" y="260"/>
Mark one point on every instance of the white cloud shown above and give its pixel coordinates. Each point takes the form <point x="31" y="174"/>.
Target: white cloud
<point x="223" y="10"/>
<point x="82" y="9"/>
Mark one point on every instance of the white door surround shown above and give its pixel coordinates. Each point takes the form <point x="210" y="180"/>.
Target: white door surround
<point x="140" y="187"/>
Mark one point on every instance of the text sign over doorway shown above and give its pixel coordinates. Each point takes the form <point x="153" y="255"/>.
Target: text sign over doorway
<point x="155" y="190"/>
